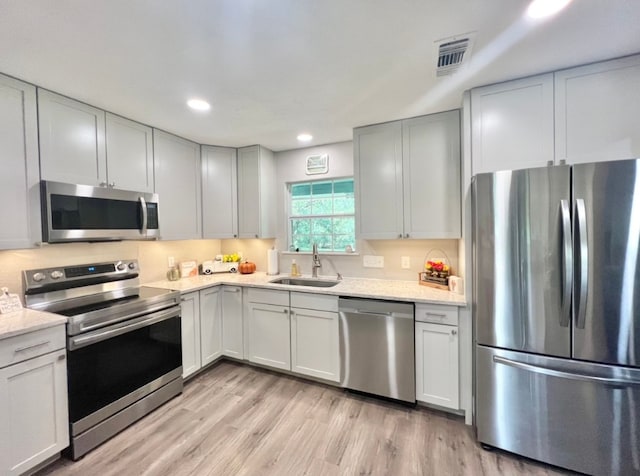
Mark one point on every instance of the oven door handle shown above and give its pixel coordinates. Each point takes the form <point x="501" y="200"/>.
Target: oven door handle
<point x="80" y="341"/>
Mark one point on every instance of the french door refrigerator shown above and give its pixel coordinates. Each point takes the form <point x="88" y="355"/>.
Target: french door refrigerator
<point x="557" y="314"/>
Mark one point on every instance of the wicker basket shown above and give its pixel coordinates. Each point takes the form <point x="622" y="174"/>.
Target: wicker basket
<point x="437" y="270"/>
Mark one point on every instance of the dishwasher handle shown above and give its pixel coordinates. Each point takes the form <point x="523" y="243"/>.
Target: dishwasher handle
<point x="366" y="312"/>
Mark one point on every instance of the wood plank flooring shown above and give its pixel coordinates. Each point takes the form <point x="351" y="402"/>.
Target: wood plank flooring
<point x="239" y="420"/>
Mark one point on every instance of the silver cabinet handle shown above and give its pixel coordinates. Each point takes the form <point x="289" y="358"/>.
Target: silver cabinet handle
<point x="112" y="185"/>
<point x="286" y="311"/>
<point x="29" y="347"/>
<point x="62" y="357"/>
<point x="406" y="235"/>
<point x="437" y="316"/>
<point x="563" y="374"/>
<point x="231" y="290"/>
<point x="567" y="270"/>
<point x="583" y="247"/>
<point x="454" y="332"/>
<point x="400" y="235"/>
<point x="103" y="184"/>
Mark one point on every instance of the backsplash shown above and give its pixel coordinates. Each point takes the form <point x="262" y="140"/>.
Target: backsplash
<point x="152" y="256"/>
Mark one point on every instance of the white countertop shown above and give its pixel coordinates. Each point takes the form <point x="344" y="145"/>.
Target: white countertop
<point x="352" y="287"/>
<point x="27" y="320"/>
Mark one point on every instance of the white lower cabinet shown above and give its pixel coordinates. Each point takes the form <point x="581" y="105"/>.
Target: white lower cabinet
<point x="269" y="335"/>
<point x="437" y="373"/>
<point x="201" y="329"/>
<point x="232" y="326"/>
<point x="210" y="325"/>
<point x="33" y="404"/>
<point x="190" y="327"/>
<point x="315" y="336"/>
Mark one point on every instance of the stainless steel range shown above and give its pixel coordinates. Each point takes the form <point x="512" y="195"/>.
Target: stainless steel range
<point x="124" y="352"/>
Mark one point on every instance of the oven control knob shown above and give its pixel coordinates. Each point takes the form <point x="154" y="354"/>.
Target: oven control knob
<point x="121" y="266"/>
<point x="39" y="277"/>
<point x="57" y="274"/>
<point x="132" y="266"/>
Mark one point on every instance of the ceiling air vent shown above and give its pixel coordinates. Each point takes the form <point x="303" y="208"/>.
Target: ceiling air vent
<point x="317" y="164"/>
<point x="452" y="53"/>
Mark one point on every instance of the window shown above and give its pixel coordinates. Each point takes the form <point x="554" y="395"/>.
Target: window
<point x="322" y="212"/>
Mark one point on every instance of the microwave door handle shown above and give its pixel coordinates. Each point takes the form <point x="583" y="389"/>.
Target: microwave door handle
<point x="143" y="207"/>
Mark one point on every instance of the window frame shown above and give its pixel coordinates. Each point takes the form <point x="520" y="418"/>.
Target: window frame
<point x="289" y="217"/>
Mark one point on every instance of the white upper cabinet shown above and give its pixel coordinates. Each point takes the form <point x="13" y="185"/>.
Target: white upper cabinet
<point x="431" y="176"/>
<point x="219" y="192"/>
<point x="256" y="193"/>
<point x="378" y="178"/>
<point x="597" y="111"/>
<point x="72" y="142"/>
<point x="129" y="154"/>
<point x="19" y="185"/>
<point x="512" y="124"/>
<point x="177" y="177"/>
<point x="81" y="144"/>
<point x="408" y="178"/>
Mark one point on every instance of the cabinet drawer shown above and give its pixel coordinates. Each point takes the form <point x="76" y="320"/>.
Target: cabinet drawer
<point x="320" y="302"/>
<point x="267" y="296"/>
<point x="27" y="346"/>
<point x="437" y="314"/>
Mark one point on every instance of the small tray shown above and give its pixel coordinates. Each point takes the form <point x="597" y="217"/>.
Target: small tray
<point x="439" y="283"/>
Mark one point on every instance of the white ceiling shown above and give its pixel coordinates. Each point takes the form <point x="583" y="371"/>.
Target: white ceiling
<point x="274" y="68"/>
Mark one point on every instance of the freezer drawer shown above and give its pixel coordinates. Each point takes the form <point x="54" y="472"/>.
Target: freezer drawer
<point x="580" y="416"/>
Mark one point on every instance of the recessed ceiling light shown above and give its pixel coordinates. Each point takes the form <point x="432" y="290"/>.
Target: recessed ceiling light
<point x="198" y="105"/>
<point x="304" y="137"/>
<point x="545" y="8"/>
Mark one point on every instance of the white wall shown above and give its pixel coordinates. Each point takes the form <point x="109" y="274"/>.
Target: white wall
<point x="291" y="168"/>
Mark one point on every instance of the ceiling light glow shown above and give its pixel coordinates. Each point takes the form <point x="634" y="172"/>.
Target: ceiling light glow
<point x="545" y="8"/>
<point x="198" y="105"/>
<point x="304" y="137"/>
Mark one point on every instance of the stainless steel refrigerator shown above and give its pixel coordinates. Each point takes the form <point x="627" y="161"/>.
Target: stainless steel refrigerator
<point x="557" y="314"/>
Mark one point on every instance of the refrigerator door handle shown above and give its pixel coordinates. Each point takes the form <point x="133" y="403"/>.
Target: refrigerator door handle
<point x="616" y="382"/>
<point x="567" y="271"/>
<point x="583" y="247"/>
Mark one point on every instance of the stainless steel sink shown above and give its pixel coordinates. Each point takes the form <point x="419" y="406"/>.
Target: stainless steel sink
<point x="315" y="283"/>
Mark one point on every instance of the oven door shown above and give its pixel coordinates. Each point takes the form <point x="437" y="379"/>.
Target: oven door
<point x="115" y="366"/>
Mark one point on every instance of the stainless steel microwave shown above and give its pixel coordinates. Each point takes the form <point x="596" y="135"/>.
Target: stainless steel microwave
<point x="85" y="213"/>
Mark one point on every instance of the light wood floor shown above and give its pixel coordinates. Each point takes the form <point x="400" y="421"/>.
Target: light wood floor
<point x="239" y="420"/>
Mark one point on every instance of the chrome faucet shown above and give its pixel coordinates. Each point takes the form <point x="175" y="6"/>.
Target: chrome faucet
<point x="315" y="262"/>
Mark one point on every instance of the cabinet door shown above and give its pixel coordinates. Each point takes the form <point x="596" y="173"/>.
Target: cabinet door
<point x="190" y="327"/>
<point x="597" y="111"/>
<point x="232" y="329"/>
<point x="33" y="406"/>
<point x="129" y="154"/>
<point x="219" y="192"/>
<point x="378" y="180"/>
<point x="177" y="177"/>
<point x="431" y="176"/>
<point x="210" y="325"/>
<point x="315" y="343"/>
<point x="256" y="193"/>
<point x="512" y="125"/>
<point x="72" y="145"/>
<point x="19" y="185"/>
<point x="437" y="380"/>
<point x="269" y="340"/>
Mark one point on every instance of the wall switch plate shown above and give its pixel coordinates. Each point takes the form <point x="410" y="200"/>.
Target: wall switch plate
<point x="370" y="261"/>
<point x="405" y="262"/>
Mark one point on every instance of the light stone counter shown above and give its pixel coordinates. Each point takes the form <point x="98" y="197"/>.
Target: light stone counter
<point x="350" y="287"/>
<point x="27" y="320"/>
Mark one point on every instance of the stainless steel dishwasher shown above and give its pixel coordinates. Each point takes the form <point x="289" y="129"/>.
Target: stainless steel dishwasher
<point x="377" y="348"/>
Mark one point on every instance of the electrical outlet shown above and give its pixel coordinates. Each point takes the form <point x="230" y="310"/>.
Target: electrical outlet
<point x="371" y="261"/>
<point x="405" y="262"/>
<point x="171" y="262"/>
